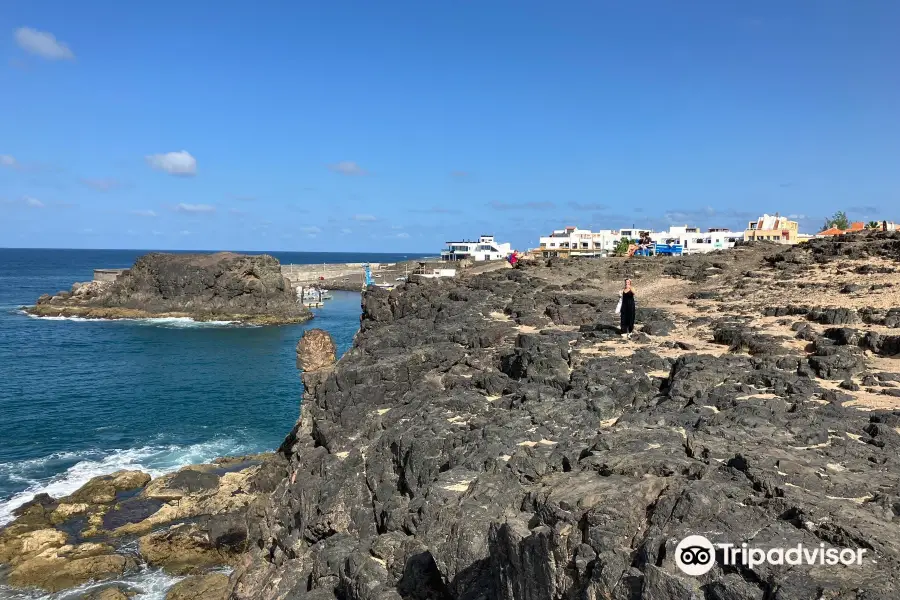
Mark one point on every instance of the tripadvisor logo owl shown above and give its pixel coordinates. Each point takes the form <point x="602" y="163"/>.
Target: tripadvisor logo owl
<point x="695" y="555"/>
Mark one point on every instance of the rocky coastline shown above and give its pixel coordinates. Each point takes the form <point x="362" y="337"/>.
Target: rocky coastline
<point x="191" y="523"/>
<point x="494" y="437"/>
<point x="205" y="287"/>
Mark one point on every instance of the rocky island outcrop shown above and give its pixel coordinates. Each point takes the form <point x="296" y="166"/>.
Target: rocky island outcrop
<point x="495" y="438"/>
<point x="209" y="287"/>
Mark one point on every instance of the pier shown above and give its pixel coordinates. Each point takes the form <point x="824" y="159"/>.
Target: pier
<point x="344" y="276"/>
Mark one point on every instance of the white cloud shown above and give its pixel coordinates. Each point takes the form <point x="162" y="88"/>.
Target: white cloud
<point x="144" y="213"/>
<point x="7" y="160"/>
<point x="365" y="218"/>
<point x="311" y="230"/>
<point x="396" y="226"/>
<point x="195" y="208"/>
<point x="346" y="231"/>
<point x="184" y="232"/>
<point x="347" y="167"/>
<point x="43" y="44"/>
<point x="796" y="217"/>
<point x="174" y="163"/>
<point x="403" y="235"/>
<point x="154" y="232"/>
<point x="33" y="202"/>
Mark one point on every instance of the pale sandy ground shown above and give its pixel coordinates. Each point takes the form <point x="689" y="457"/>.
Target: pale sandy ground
<point x="823" y="284"/>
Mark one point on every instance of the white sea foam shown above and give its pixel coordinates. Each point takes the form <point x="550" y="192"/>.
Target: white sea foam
<point x="155" y="460"/>
<point x="171" y="322"/>
<point x="150" y="584"/>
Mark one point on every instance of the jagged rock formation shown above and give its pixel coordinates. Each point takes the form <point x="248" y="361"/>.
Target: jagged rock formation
<point x="315" y="350"/>
<point x="221" y="286"/>
<point x="495" y="438"/>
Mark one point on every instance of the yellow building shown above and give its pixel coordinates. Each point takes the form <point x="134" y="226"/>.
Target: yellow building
<point x="778" y="229"/>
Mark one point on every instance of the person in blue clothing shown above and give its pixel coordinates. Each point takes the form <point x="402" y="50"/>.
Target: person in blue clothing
<point x="627" y="309"/>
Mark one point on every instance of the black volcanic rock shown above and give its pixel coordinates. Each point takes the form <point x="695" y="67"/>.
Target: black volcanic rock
<point x="221" y="286"/>
<point x="459" y="452"/>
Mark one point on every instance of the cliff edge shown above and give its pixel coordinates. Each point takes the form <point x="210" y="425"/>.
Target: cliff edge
<point x="221" y="286"/>
<point x="495" y="438"/>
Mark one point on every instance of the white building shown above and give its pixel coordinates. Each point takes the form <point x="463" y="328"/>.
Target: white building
<point x="572" y="241"/>
<point x="694" y="241"/>
<point x="633" y="234"/>
<point x="691" y="239"/>
<point x="486" y="248"/>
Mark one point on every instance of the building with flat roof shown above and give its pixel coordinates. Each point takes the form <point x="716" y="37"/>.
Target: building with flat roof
<point x="571" y="242"/>
<point x="485" y="248"/>
<point x="692" y="240"/>
<point x="778" y="229"/>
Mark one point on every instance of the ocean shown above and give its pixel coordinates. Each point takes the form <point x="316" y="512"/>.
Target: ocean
<point x="84" y="398"/>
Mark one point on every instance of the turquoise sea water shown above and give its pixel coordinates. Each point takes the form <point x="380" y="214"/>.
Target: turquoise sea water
<point x="83" y="398"/>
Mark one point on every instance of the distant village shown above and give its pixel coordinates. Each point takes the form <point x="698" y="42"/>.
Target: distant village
<point x="572" y="242"/>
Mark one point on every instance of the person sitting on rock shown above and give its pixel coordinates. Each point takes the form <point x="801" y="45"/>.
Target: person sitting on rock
<point x="626" y="309"/>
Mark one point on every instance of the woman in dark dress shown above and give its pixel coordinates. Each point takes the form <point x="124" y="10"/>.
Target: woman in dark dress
<point x="628" y="309"/>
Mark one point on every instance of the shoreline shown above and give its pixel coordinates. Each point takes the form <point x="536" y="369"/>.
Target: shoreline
<point x="93" y="313"/>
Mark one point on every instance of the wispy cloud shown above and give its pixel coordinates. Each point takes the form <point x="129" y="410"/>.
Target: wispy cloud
<point x="311" y="229"/>
<point x="865" y="210"/>
<point x="9" y="161"/>
<point x="33" y="202"/>
<point x="179" y="163"/>
<point x="706" y="216"/>
<point x="346" y="231"/>
<point x="195" y="208"/>
<point x="402" y="235"/>
<point x="348" y="167"/>
<point x="43" y="44"/>
<point x="587" y="206"/>
<point x="439" y="210"/>
<point x="365" y="218"/>
<point x="522" y="205"/>
<point x="101" y="185"/>
<point x="184" y="232"/>
<point x="237" y="211"/>
<point x="143" y="213"/>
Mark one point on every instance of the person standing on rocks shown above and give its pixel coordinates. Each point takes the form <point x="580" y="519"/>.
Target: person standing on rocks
<point x="626" y="309"/>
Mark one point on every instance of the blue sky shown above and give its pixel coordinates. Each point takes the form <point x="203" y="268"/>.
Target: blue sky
<point x="396" y="126"/>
